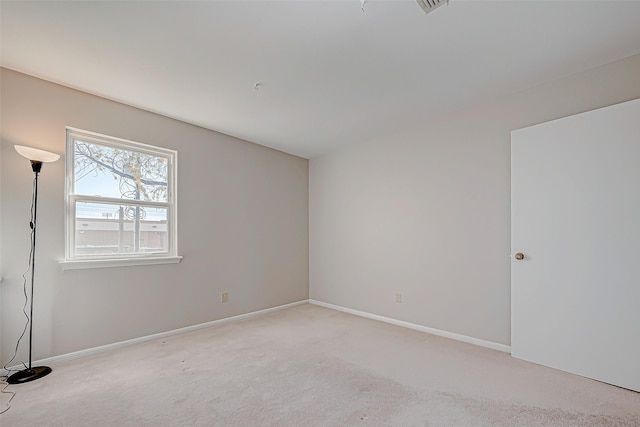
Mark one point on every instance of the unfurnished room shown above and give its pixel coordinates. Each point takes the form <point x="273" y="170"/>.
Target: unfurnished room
<point x="319" y="213"/>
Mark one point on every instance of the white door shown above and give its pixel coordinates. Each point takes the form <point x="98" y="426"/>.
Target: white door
<point x="576" y="219"/>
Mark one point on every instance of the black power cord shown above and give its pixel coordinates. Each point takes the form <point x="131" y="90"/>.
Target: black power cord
<point x="6" y="367"/>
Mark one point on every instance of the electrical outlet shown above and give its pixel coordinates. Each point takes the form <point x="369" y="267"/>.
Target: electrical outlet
<point x="224" y="297"/>
<point x="398" y="298"/>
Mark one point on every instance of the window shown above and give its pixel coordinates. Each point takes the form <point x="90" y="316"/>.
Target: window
<point x="121" y="202"/>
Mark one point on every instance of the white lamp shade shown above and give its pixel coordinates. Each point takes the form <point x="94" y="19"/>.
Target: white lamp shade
<point x="36" y="155"/>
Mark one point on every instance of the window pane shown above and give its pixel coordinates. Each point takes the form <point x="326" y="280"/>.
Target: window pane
<point x="107" y="229"/>
<point x="105" y="171"/>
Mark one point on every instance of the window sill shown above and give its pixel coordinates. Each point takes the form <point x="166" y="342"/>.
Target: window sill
<point x="118" y="262"/>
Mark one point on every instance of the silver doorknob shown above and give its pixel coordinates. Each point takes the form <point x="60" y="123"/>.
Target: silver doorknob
<point x="519" y="256"/>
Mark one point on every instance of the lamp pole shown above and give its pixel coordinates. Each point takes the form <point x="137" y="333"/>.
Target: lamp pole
<point x="37" y="166"/>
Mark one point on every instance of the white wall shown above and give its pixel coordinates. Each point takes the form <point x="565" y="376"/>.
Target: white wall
<point x="242" y="223"/>
<point x="426" y="212"/>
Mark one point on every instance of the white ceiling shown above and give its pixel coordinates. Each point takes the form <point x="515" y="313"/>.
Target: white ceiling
<point x="329" y="74"/>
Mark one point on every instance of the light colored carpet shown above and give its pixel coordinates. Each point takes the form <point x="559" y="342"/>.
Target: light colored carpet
<point x="311" y="366"/>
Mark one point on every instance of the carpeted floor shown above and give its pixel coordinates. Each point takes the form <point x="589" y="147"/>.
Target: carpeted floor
<point x="311" y="366"/>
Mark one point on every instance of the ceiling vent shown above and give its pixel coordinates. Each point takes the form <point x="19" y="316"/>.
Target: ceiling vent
<point x="429" y="5"/>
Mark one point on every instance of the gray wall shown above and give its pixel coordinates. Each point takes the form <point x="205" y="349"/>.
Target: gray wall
<point x="426" y="211"/>
<point x="242" y="223"/>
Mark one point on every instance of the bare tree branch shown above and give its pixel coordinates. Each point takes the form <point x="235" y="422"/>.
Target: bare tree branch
<point x="136" y="172"/>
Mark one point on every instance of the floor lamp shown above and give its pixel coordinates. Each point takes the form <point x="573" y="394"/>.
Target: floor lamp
<point x="37" y="157"/>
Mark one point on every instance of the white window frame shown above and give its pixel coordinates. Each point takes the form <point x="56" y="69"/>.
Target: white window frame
<point x="73" y="261"/>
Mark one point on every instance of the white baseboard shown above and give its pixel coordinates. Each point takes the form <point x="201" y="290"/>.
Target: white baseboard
<point x="104" y="348"/>
<point x="432" y="331"/>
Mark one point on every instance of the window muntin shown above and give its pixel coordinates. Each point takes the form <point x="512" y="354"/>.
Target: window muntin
<point x="120" y="198"/>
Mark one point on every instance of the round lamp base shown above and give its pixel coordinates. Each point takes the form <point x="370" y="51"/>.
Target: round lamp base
<point x="27" y="375"/>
